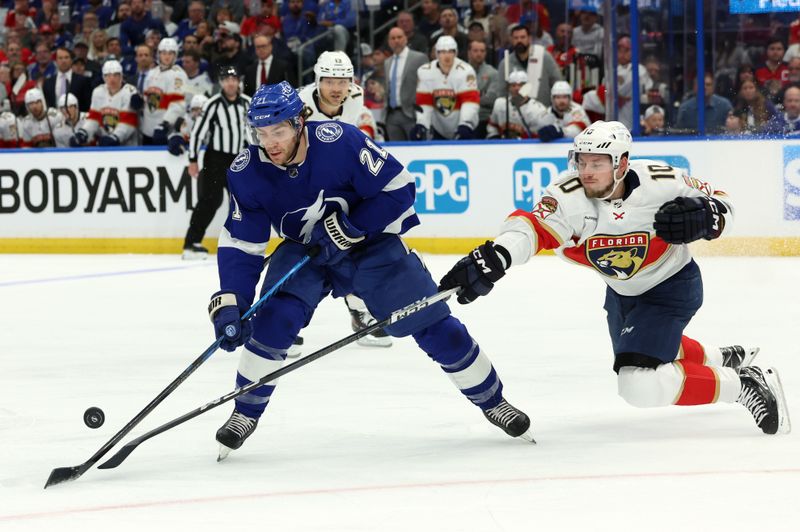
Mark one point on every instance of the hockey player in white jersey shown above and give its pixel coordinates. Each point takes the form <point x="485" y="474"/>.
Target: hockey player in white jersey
<point x="164" y="101"/>
<point x="569" y="118"/>
<point x="71" y="118"/>
<point x="631" y="221"/>
<point x="38" y="125"/>
<point x="9" y="124"/>
<point x="112" y="120"/>
<point x="447" y="96"/>
<point x="334" y="96"/>
<point x="178" y="141"/>
<point x="523" y="115"/>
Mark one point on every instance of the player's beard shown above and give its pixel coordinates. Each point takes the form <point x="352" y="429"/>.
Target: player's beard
<point x="594" y="194"/>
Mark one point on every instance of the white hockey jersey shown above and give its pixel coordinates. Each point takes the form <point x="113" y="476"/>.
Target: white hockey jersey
<point x="615" y="238"/>
<point x="523" y="121"/>
<point x="8" y="130"/>
<point x="447" y="101"/>
<point x="163" y="97"/>
<point x="66" y="129"/>
<point x="112" y="115"/>
<point x="200" y="84"/>
<point x="353" y="110"/>
<point x="573" y="121"/>
<point x="39" y="133"/>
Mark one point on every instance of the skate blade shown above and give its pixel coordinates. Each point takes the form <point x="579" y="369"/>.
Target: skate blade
<point x="527" y="436"/>
<point x="774" y="382"/>
<point x="293" y="353"/>
<point x="749" y="356"/>
<point x="224" y="451"/>
<point x="374" y="341"/>
<point x="194" y="255"/>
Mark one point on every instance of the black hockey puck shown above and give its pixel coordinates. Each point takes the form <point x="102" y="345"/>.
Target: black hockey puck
<point x="94" y="417"/>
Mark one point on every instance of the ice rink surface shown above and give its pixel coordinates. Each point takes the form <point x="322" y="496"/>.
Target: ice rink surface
<point x="378" y="439"/>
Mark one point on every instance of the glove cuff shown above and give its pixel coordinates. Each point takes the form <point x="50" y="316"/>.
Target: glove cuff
<point x="341" y="232"/>
<point x="489" y="262"/>
<point x="219" y="300"/>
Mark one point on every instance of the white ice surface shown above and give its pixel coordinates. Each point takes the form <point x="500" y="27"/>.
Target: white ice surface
<point x="377" y="439"/>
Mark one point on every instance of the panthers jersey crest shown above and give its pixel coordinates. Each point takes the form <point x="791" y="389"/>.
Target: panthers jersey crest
<point x="153" y="99"/>
<point x="110" y="118"/>
<point x="618" y="256"/>
<point x="444" y="100"/>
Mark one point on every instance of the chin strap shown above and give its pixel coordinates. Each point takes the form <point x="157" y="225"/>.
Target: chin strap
<point x="617" y="181"/>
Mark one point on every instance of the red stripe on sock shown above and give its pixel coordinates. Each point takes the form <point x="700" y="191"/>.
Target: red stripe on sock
<point x="700" y="384"/>
<point x="693" y="351"/>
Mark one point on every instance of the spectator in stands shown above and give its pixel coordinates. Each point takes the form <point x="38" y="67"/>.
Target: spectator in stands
<point x="448" y="25"/>
<point x="588" y="36"/>
<point x="229" y="53"/>
<point x="20" y="7"/>
<point x="756" y="110"/>
<point x="234" y="7"/>
<point x="625" y="89"/>
<point x="416" y="40"/>
<point x="268" y="16"/>
<point x="794" y="71"/>
<point x="205" y="37"/>
<point x="716" y="109"/>
<point x="338" y="16"/>
<point x="144" y="62"/>
<point x="542" y="69"/>
<point x="92" y="68"/>
<point x="65" y="81"/>
<point x="734" y="124"/>
<point x="115" y="23"/>
<point x="488" y="84"/>
<point x="196" y="14"/>
<point x="20" y="84"/>
<point x="267" y="69"/>
<point x="97" y="46"/>
<point x="562" y="49"/>
<point x="475" y="32"/>
<point x="479" y="12"/>
<point x="401" y="85"/>
<point x="114" y="48"/>
<point x="192" y="44"/>
<point x="152" y="37"/>
<point x="132" y="30"/>
<point x="44" y="66"/>
<point x="653" y="122"/>
<point x="429" y="21"/>
<point x="89" y="24"/>
<point x="773" y="69"/>
<point x="42" y="16"/>
<point x="61" y="33"/>
<point x="298" y="27"/>
<point x="656" y="90"/>
<point x="199" y="82"/>
<point x="787" y="123"/>
<point x="47" y="36"/>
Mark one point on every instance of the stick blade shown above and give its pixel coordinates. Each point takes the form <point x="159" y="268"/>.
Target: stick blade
<point x="64" y="474"/>
<point x="119" y="457"/>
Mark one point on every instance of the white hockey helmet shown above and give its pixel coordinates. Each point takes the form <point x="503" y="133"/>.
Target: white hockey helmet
<point x="333" y="65"/>
<point x="518" y="76"/>
<point x="561" y="88"/>
<point x="446" y="43"/>
<point x="168" y="44"/>
<point x="112" y="66"/>
<point x="34" y="95"/>
<point x="609" y="138"/>
<point x="67" y="99"/>
<point x="198" y="101"/>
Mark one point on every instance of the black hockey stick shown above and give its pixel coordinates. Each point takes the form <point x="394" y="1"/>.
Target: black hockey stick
<point x="396" y="316"/>
<point x="64" y="474"/>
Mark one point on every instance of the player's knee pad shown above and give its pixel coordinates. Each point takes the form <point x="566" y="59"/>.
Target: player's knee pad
<point x="648" y="387"/>
<point x="278" y="321"/>
<point x="636" y="360"/>
<point x="446" y="341"/>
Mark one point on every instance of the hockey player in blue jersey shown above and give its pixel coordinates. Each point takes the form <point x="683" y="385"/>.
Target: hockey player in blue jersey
<point x="326" y="185"/>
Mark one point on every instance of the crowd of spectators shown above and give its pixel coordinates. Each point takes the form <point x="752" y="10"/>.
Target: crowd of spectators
<point x="53" y="57"/>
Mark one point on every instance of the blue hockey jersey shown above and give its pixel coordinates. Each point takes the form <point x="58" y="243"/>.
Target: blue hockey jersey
<point x="344" y="170"/>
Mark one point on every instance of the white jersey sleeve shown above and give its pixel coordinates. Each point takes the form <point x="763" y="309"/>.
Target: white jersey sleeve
<point x="573" y="121"/>
<point x="351" y="112"/>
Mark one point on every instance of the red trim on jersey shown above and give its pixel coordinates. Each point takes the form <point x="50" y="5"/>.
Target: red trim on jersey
<point x="94" y="115"/>
<point x="128" y="117"/>
<point x="169" y="98"/>
<point x="467" y="97"/>
<point x="544" y="238"/>
<point x="700" y="385"/>
<point x="693" y="351"/>
<point x="655" y="251"/>
<point x="425" y="98"/>
<point x="580" y="124"/>
<point x="368" y="131"/>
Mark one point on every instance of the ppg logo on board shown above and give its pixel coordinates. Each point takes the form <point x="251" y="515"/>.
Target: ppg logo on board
<point x="442" y="186"/>
<point x="531" y="177"/>
<point x="791" y="182"/>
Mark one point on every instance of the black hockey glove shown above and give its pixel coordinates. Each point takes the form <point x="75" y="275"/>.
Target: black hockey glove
<point x="476" y="273"/>
<point x="685" y="220"/>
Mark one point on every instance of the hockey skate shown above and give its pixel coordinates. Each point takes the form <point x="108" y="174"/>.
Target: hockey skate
<point x="232" y="434"/>
<point x="512" y="420"/>
<point x="762" y="395"/>
<point x="737" y="357"/>
<point x="195" y="252"/>
<point x="296" y="349"/>
<point x="361" y="319"/>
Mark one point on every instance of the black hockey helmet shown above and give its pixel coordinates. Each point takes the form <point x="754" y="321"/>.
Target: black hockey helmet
<point x="226" y="71"/>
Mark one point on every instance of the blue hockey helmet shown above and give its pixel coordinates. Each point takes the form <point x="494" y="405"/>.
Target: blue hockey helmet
<point x="273" y="104"/>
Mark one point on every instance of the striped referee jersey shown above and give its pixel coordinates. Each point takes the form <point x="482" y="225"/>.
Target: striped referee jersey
<point x="223" y="123"/>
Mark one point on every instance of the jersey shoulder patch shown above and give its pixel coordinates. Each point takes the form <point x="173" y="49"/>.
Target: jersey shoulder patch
<point x="329" y="131"/>
<point x="241" y="161"/>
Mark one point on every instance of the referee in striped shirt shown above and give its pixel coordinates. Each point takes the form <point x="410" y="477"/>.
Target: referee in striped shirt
<point x="223" y="125"/>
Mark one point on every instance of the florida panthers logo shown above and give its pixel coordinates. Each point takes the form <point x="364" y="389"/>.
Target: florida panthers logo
<point x="153" y="99"/>
<point x="110" y="118"/>
<point x="618" y="256"/>
<point x="444" y="100"/>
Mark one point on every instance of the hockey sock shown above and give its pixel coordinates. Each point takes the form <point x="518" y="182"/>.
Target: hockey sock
<point x="692" y="351"/>
<point x="256" y="361"/>
<point x="706" y="384"/>
<point x="681" y="383"/>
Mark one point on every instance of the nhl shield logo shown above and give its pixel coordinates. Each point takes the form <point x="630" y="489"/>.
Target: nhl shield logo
<point x="618" y="256"/>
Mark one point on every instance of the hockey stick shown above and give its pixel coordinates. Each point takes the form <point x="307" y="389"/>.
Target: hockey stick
<point x="64" y="474"/>
<point x="396" y="316"/>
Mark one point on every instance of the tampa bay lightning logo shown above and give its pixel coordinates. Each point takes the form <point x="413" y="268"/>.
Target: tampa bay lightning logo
<point x="299" y="223"/>
<point x="241" y="161"/>
<point x="329" y="131"/>
<point x="230" y="331"/>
